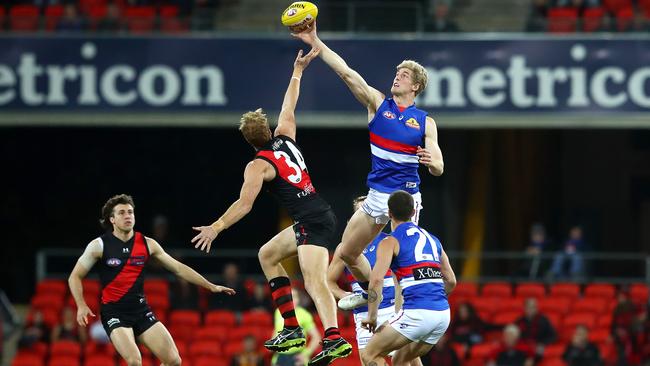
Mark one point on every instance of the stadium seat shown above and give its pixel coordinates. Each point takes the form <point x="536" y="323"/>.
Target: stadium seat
<point x="65" y="348"/>
<point x="50" y="316"/>
<point x="551" y="304"/>
<point x="51" y="287"/>
<point x="213" y="333"/>
<point x="182" y="332"/>
<point x="466" y="289"/>
<point x="140" y="19"/>
<point x="158" y="301"/>
<point x="600" y="290"/>
<point x="604" y="321"/>
<point x="614" y="6"/>
<point x="555" y="319"/>
<point x="481" y="351"/>
<point x="555" y="361"/>
<point x="639" y="291"/>
<point x="146" y="361"/>
<point x="171" y="23"/>
<point x="486" y="306"/>
<point x="156" y="286"/>
<point x="525" y="290"/>
<point x="592" y="19"/>
<point x="99" y="360"/>
<point x="91" y="286"/>
<point x="220" y="317"/>
<point x="515" y="305"/>
<point x="210" y="361"/>
<point x="599" y="336"/>
<point x="625" y="20"/>
<point x="96" y="349"/>
<point x="595" y="305"/>
<point x="23" y="18"/>
<point x="63" y="361"/>
<point x="496" y="289"/>
<point x="95" y="15"/>
<point x="48" y="301"/>
<point x="554" y="350"/>
<point x="53" y="14"/>
<point x="27" y="360"/>
<point x="3" y="15"/>
<point x="86" y="5"/>
<point x="205" y="348"/>
<point x="232" y="347"/>
<point x="185" y="317"/>
<point x="562" y="20"/>
<point x="37" y="349"/>
<point x="506" y="317"/>
<point x="261" y="318"/>
<point x="570" y="290"/>
<point x="587" y="319"/>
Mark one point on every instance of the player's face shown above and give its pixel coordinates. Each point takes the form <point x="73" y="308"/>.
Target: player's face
<point x="123" y="217"/>
<point x="403" y="82"/>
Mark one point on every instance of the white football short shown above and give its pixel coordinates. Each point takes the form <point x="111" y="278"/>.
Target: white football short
<point x="421" y="325"/>
<point x="376" y="206"/>
<point x="363" y="334"/>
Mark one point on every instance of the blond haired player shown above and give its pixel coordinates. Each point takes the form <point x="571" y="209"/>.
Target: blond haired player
<point x="280" y="166"/>
<point x="398" y="132"/>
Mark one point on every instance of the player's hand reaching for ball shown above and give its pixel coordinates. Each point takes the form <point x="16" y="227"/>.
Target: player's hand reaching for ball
<point x="203" y="240"/>
<point x="82" y="315"/>
<point x="221" y="289"/>
<point x="308" y="36"/>
<point x="302" y="62"/>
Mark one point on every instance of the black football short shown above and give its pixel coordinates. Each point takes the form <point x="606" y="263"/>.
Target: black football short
<point x="140" y="318"/>
<point x="318" y="229"/>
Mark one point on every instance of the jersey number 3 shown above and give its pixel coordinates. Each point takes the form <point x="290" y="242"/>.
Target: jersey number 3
<point x="298" y="166"/>
<point x="424" y="239"/>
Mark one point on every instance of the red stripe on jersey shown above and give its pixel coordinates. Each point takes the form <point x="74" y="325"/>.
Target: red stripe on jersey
<point x="285" y="171"/>
<point x="392" y="145"/>
<point x="408" y="270"/>
<point x="124" y="280"/>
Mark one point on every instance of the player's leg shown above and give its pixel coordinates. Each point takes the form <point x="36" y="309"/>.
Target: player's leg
<point x="161" y="344"/>
<point x="124" y="342"/>
<point x="280" y="247"/>
<point x="410" y="354"/>
<point x="360" y="230"/>
<point x="363" y="334"/>
<point x="385" y="340"/>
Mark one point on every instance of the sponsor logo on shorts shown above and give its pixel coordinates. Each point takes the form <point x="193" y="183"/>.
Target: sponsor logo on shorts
<point x="113" y="321"/>
<point x="403" y="325"/>
<point x="389" y="115"/>
<point x="113" y="262"/>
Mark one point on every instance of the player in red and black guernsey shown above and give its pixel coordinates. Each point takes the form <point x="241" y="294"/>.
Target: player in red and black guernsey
<point x="402" y="137"/>
<point x="121" y="255"/>
<point x="280" y="167"/>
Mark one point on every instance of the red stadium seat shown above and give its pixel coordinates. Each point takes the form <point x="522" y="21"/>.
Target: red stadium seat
<point x="526" y="290"/>
<point x="63" y="361"/>
<point x="51" y="287"/>
<point x="158" y="301"/>
<point x="466" y="289"/>
<point x="86" y="5"/>
<point x="213" y="333"/>
<point x="625" y="19"/>
<point x="554" y="350"/>
<point x="96" y="349"/>
<point x="53" y="13"/>
<point x="65" y="348"/>
<point x="170" y="22"/>
<point x="599" y="336"/>
<point x="27" y="360"/>
<point x="614" y="6"/>
<point x="506" y="317"/>
<point x="48" y="301"/>
<point x="156" y="286"/>
<point x="95" y="16"/>
<point x="99" y="360"/>
<point x="554" y="305"/>
<point x="481" y="351"/>
<point x="232" y="348"/>
<point x="146" y="361"/>
<point x="587" y="319"/>
<point x="555" y="319"/>
<point x="562" y="20"/>
<point x="515" y="305"/>
<point x="91" y="286"/>
<point x="592" y="19"/>
<point x="496" y="289"/>
<point x="604" y="321"/>
<point x="262" y="318"/>
<point x="556" y="361"/>
<point x="3" y="15"/>
<point x="590" y="304"/>
<point x="23" y="18"/>
<point x="36" y="349"/>
<point x="220" y="317"/>
<point x="50" y="316"/>
<point x="210" y="361"/>
<point x="182" y="332"/>
<point x="600" y="290"/>
<point x="570" y="290"/>
<point x="205" y="348"/>
<point x="639" y="291"/>
<point x="486" y="306"/>
<point x="140" y="19"/>
<point x="190" y="318"/>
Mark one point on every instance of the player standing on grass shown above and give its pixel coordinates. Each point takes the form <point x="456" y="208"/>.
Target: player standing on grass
<point x="125" y="314"/>
<point x="279" y="165"/>
<point x="397" y="132"/>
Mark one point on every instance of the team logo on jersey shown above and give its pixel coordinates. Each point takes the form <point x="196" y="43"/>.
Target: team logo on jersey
<point x="411" y="122"/>
<point x="389" y="115"/>
<point x="113" y="321"/>
<point x="113" y="262"/>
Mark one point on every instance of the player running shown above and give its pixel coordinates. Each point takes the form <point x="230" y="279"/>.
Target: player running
<point x="125" y="314"/>
<point x="280" y="166"/>
<point x="397" y="132"/>
<point x="426" y="277"/>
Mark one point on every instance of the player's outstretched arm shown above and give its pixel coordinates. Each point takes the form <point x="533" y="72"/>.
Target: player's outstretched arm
<point x="431" y="155"/>
<point x="287" y="119"/>
<point x="448" y="275"/>
<point x="334" y="273"/>
<point x="385" y="251"/>
<point x="182" y="270"/>
<point x="85" y="262"/>
<point x="368" y="96"/>
<point x="253" y="180"/>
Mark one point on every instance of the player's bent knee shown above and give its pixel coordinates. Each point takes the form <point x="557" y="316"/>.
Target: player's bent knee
<point x="174" y="360"/>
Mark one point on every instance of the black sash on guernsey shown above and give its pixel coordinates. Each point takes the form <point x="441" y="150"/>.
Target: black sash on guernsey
<point x="292" y="185"/>
<point x="121" y="270"/>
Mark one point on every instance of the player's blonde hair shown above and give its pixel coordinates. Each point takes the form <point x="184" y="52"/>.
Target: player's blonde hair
<point x="255" y="128"/>
<point x="420" y="76"/>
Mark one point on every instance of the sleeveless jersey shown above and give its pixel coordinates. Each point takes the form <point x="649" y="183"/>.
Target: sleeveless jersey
<point x="292" y="184"/>
<point x="394" y="138"/>
<point x="121" y="270"/>
<point x="417" y="267"/>
<point x="388" y="291"/>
